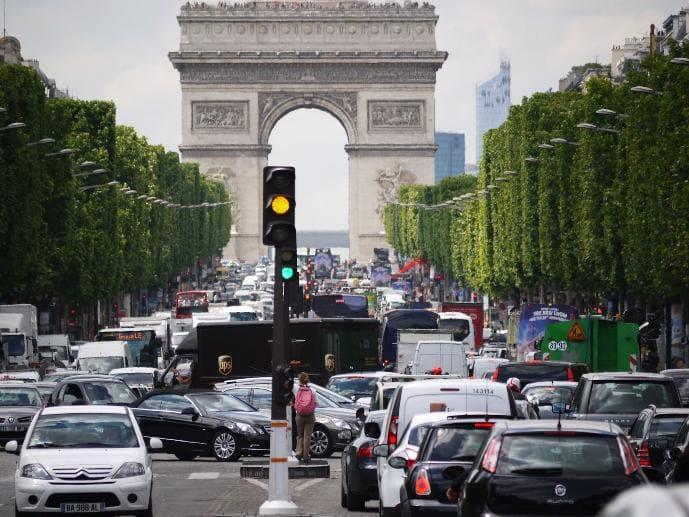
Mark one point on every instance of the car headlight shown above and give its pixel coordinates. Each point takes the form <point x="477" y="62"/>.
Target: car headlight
<point x="341" y="424"/>
<point x="35" y="471"/>
<point x="242" y="427"/>
<point x="130" y="469"/>
<point x="324" y="420"/>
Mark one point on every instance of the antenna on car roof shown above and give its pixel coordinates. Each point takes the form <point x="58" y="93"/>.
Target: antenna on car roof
<point x="486" y="394"/>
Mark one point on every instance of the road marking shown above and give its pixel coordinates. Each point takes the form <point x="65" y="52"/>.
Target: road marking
<point x="204" y="475"/>
<point x="258" y="483"/>
<point x="308" y="484"/>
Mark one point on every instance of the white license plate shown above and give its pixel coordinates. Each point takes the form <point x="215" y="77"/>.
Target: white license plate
<point x="82" y="507"/>
<point x="9" y="428"/>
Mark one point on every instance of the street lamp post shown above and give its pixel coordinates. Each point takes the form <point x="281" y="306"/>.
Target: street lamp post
<point x="645" y="89"/>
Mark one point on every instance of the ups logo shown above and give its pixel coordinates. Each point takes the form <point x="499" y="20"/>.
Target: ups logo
<point x="225" y="364"/>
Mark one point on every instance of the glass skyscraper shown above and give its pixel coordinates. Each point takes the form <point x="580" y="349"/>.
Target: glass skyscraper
<point x="492" y="105"/>
<point x="449" y="158"/>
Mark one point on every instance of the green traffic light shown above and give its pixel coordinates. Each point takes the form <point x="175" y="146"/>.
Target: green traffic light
<point x="287" y="273"/>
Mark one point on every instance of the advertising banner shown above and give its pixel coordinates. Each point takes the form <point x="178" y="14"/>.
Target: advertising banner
<point x="402" y="285"/>
<point x="382" y="255"/>
<point x="533" y="321"/>
<point x="323" y="263"/>
<point x="380" y="276"/>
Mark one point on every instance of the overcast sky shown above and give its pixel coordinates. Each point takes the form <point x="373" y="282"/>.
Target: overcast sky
<point x="117" y="49"/>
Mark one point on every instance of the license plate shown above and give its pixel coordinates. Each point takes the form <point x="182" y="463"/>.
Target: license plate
<point x="82" y="507"/>
<point x="8" y="428"/>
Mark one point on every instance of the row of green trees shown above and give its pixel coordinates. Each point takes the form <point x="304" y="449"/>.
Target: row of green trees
<point x="606" y="213"/>
<point x="59" y="241"/>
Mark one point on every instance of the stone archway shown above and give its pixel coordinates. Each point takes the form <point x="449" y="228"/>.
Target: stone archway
<point x="243" y="67"/>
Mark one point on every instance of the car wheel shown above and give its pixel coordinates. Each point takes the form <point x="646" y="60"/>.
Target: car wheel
<point x="185" y="456"/>
<point x="321" y="444"/>
<point x="355" y="503"/>
<point x="225" y="446"/>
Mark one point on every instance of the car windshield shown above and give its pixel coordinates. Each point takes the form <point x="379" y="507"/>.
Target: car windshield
<point x="416" y="435"/>
<point x="682" y="383"/>
<point x="215" y="402"/>
<point x="354" y="385"/>
<point x="243" y="316"/>
<point x="100" y="364"/>
<point x="14" y="343"/>
<point x="625" y="397"/>
<point x="455" y="443"/>
<point x="666" y="427"/>
<point x="19" y="396"/>
<point x="548" y="395"/>
<point x="108" y="393"/>
<point x="137" y="378"/>
<point x="534" y="372"/>
<point x="85" y="430"/>
<point x="560" y="455"/>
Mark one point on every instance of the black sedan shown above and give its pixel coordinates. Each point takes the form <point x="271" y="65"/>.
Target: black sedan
<point x="359" y="468"/>
<point x="18" y="404"/>
<point x="446" y="454"/>
<point x="203" y="423"/>
<point x="538" y="467"/>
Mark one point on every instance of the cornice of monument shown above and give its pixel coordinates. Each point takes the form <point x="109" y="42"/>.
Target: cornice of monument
<point x="330" y="56"/>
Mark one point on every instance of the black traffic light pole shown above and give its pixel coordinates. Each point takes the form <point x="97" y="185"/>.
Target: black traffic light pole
<point x="281" y="337"/>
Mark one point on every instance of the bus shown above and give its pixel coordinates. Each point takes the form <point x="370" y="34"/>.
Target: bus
<point x="340" y="306"/>
<point x="144" y="347"/>
<point x="189" y="302"/>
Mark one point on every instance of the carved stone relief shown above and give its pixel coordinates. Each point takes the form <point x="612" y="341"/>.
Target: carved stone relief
<point x="396" y="115"/>
<point x="344" y="100"/>
<point x="220" y="116"/>
<point x="389" y="181"/>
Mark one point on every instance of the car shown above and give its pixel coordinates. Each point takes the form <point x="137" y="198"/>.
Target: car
<point x="355" y="385"/>
<point x="652" y="434"/>
<point x="534" y="371"/>
<point x="446" y="452"/>
<point x="619" y="397"/>
<point x="647" y="500"/>
<point x="62" y="374"/>
<point x="91" y="389"/>
<point x="681" y="378"/>
<point x="19" y="402"/>
<point x="549" y="467"/>
<point x="544" y="394"/>
<point x="83" y="459"/>
<point x="137" y="375"/>
<point x="194" y="423"/>
<point x="45" y="389"/>
<point x="335" y="426"/>
<point x="359" y="480"/>
<point x="20" y="375"/>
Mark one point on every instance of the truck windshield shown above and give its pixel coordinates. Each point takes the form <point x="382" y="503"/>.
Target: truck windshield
<point x="15" y="344"/>
<point x="141" y="343"/>
<point x="60" y="352"/>
<point x="459" y="327"/>
<point x="100" y="364"/>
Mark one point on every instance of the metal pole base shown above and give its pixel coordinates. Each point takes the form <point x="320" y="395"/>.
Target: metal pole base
<point x="278" y="502"/>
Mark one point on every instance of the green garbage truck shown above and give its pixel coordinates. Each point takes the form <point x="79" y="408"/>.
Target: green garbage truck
<point x="604" y="345"/>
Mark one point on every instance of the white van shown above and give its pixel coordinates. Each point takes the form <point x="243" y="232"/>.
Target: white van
<point x="55" y="346"/>
<point x="460" y="324"/>
<point x="449" y="356"/>
<point x="430" y="396"/>
<point x="486" y="366"/>
<point x="103" y="356"/>
<point x="250" y="283"/>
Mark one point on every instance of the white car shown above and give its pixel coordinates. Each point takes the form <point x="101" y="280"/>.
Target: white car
<point x="71" y="451"/>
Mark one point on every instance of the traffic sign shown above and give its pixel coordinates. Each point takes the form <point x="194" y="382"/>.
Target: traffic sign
<point x="576" y="333"/>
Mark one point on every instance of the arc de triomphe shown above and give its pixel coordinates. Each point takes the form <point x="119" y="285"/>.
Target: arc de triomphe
<point x="372" y="66"/>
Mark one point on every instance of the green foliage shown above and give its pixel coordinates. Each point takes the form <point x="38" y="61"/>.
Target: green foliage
<point x="80" y="246"/>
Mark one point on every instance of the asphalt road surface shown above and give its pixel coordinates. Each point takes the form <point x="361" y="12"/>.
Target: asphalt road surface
<point x="205" y="487"/>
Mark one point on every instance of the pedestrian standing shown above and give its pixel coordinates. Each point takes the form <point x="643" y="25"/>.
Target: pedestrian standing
<point x="305" y="407"/>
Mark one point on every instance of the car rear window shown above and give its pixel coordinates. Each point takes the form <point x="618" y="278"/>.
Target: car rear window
<point x="625" y="397"/>
<point x="548" y="395"/>
<point x="528" y="373"/>
<point x="564" y="454"/>
<point x="455" y="443"/>
<point x="666" y="427"/>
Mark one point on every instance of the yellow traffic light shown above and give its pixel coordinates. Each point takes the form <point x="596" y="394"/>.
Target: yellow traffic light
<point x="280" y="205"/>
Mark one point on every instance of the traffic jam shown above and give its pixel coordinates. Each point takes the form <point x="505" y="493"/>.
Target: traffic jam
<point x="432" y="408"/>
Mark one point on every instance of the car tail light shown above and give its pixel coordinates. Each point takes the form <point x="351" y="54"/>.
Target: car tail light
<point x="631" y="464"/>
<point x="422" y="485"/>
<point x="570" y="374"/>
<point x="490" y="457"/>
<point x="495" y="375"/>
<point x="392" y="432"/>
<point x="644" y="455"/>
<point x="484" y="425"/>
<point x="365" y="451"/>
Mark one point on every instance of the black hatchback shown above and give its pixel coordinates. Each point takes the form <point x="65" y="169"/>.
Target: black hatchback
<point x="535" y="371"/>
<point x="541" y="468"/>
<point x="445" y="456"/>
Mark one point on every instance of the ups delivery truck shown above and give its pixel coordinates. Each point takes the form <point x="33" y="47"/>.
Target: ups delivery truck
<point x="216" y="352"/>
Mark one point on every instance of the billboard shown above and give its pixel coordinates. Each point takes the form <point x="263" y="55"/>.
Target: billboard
<point x="380" y="276"/>
<point x="533" y="321"/>
<point x="402" y="285"/>
<point x="323" y="263"/>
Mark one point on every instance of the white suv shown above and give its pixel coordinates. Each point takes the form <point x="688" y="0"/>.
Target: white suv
<point x="72" y="451"/>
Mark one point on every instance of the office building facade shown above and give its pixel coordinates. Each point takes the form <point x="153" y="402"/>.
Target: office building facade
<point x="449" y="158"/>
<point x="492" y="105"/>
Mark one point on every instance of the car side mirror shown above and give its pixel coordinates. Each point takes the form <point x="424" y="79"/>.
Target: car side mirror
<point x="397" y="462"/>
<point x="12" y="447"/>
<point x="381" y="451"/>
<point x="189" y="411"/>
<point x="155" y="444"/>
<point x="372" y="430"/>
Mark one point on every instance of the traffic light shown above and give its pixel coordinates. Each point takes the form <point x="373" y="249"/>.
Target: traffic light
<point x="288" y="264"/>
<point x="72" y="319"/>
<point x="284" y="395"/>
<point x="278" y="208"/>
